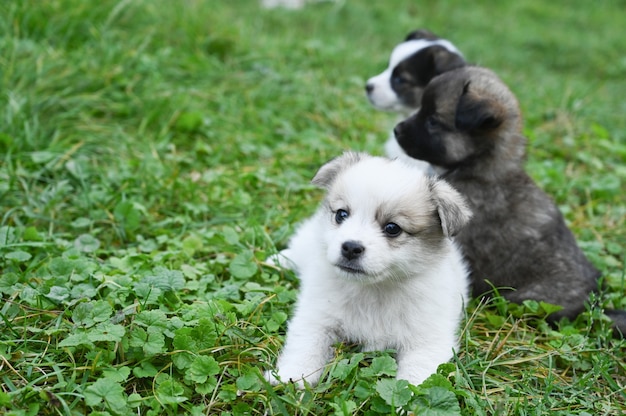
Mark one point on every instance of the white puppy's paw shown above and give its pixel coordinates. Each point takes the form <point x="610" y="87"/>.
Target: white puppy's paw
<point x="415" y="371"/>
<point x="275" y="378"/>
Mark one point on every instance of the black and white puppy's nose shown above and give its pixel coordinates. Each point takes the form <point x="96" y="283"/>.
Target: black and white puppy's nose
<point x="352" y="250"/>
<point x="369" y="88"/>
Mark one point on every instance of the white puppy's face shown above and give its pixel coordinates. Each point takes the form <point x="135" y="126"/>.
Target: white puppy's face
<point x="384" y="219"/>
<point x="412" y="65"/>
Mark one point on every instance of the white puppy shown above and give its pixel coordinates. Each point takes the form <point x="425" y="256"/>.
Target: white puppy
<point x="413" y="63"/>
<point x="377" y="267"/>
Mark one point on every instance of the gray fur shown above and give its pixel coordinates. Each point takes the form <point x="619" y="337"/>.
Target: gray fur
<point x="469" y="128"/>
<point x="327" y="174"/>
<point x="451" y="207"/>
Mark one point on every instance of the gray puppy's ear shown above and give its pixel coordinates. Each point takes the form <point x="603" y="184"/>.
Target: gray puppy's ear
<point x="477" y="113"/>
<point x="451" y="207"/>
<point x="327" y="174"/>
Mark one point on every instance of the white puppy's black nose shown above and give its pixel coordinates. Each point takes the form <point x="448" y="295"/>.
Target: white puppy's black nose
<point x="352" y="250"/>
<point x="369" y="88"/>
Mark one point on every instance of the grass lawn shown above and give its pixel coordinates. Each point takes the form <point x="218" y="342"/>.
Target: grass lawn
<point x="154" y="152"/>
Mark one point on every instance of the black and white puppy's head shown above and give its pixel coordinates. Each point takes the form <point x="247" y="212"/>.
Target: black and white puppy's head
<point x="467" y="116"/>
<point x="413" y="63"/>
<point x="383" y="219"/>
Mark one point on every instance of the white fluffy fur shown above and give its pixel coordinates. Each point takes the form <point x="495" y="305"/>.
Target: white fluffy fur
<point x="410" y="293"/>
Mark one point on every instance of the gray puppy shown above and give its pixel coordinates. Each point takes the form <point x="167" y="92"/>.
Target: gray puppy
<point x="469" y="129"/>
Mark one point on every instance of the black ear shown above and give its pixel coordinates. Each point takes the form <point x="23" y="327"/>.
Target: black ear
<point x="443" y="60"/>
<point x="421" y="34"/>
<point x="432" y="61"/>
<point x="475" y="113"/>
<point x="327" y="174"/>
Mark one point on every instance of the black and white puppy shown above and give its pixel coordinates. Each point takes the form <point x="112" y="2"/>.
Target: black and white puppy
<point x="413" y="63"/>
<point x="377" y="266"/>
<point x="469" y="129"/>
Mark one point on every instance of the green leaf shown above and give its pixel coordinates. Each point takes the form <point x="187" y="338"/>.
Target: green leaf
<point x="139" y="339"/>
<point x="41" y="157"/>
<point x="201" y="337"/>
<point x="5" y="399"/>
<point x="182" y="359"/>
<point x="155" y="343"/>
<point x="153" y="318"/>
<point x="381" y="366"/>
<point x="31" y="234"/>
<point x="152" y="339"/>
<point x="208" y="387"/>
<point x="106" y="391"/>
<point x="76" y="339"/>
<point x="118" y="374"/>
<point x="193" y="340"/>
<point x="437" y="380"/>
<point x="18" y="256"/>
<point x="82" y="316"/>
<point x="248" y="381"/>
<point x="227" y="392"/>
<point x="396" y="393"/>
<point x="243" y="265"/>
<point x="9" y="283"/>
<point x="363" y="389"/>
<point x="531" y="305"/>
<point x="549" y="308"/>
<point x="202" y="368"/>
<point x="437" y="401"/>
<point x="87" y="314"/>
<point x="496" y="321"/>
<point x="106" y="331"/>
<point x="101" y="311"/>
<point x="345" y="367"/>
<point x="343" y="407"/>
<point x="145" y="370"/>
<point x="81" y="222"/>
<point x="230" y="235"/>
<point x="135" y="400"/>
<point x="7" y="235"/>
<point x="614" y="248"/>
<point x="58" y="293"/>
<point x="86" y="243"/>
<point x="147" y="293"/>
<point x="192" y="244"/>
<point x="165" y="279"/>
<point x="170" y="392"/>
<point x="79" y="268"/>
<point x="127" y="215"/>
<point x="446" y="369"/>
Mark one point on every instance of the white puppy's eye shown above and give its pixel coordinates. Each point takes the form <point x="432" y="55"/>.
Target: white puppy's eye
<point x="392" y="229"/>
<point x="341" y="215"/>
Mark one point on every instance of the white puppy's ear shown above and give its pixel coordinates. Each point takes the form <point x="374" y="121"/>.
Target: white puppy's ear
<point x="451" y="207"/>
<point x="327" y="174"/>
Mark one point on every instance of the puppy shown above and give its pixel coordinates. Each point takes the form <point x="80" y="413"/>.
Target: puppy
<point x="413" y="63"/>
<point x="469" y="129"/>
<point x="377" y="267"/>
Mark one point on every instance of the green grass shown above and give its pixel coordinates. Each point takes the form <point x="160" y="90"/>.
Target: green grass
<point x="153" y="153"/>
